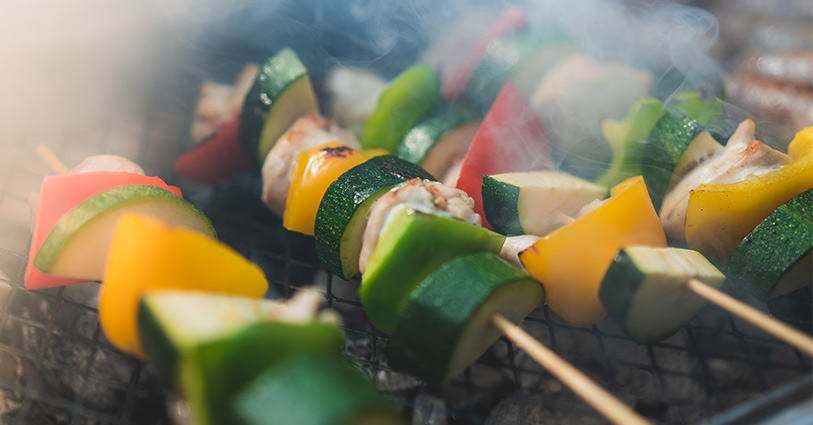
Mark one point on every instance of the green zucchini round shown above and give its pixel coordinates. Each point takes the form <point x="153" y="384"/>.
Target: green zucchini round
<point x="314" y="390"/>
<point x="775" y="258"/>
<point x="446" y="324"/>
<point x="342" y="214"/>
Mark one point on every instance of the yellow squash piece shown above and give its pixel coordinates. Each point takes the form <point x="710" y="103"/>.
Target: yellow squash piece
<point x="314" y="171"/>
<point x="571" y="261"/>
<point x="719" y="216"/>
<point x="146" y="255"/>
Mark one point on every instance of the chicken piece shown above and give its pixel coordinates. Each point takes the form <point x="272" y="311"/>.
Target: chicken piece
<point x="422" y="195"/>
<point x="220" y="103"/>
<point x="742" y="158"/>
<point x="106" y="163"/>
<point x="354" y="96"/>
<point x="309" y="131"/>
<point x="579" y="93"/>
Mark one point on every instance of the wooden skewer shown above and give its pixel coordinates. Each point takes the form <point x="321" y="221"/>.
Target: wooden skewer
<point x="773" y="326"/>
<point x="608" y="405"/>
<point x="48" y="156"/>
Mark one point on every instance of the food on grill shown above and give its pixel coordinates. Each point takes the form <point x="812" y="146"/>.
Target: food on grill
<point x="720" y="215"/>
<point x="644" y="289"/>
<point x="213" y="345"/>
<point x="313" y="172"/>
<point x="523" y="56"/>
<point x="676" y="145"/>
<point x="572" y="100"/>
<point x="281" y="94"/>
<point x="446" y="323"/>
<point x="219" y="104"/>
<point x="455" y="77"/>
<point x="777" y="256"/>
<point x="571" y="261"/>
<point x="146" y="255"/>
<point x="353" y="94"/>
<point x="106" y="163"/>
<point x="422" y="195"/>
<point x="61" y="194"/>
<point x="535" y="202"/>
<point x="314" y="390"/>
<point x="410" y="95"/>
<point x="217" y="158"/>
<point x="510" y="139"/>
<point x="742" y="158"/>
<point x="440" y="139"/>
<point x="342" y="214"/>
<point x="78" y="242"/>
<point x="307" y="132"/>
<point x="411" y="245"/>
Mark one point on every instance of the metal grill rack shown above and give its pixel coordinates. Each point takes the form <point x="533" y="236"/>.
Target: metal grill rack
<point x="57" y="368"/>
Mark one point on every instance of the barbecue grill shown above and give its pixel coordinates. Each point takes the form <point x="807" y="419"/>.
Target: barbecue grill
<point x="57" y="368"/>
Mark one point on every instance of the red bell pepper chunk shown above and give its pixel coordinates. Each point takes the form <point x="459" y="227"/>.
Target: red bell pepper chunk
<point x="215" y="159"/>
<point x="454" y="82"/>
<point x="510" y="139"/>
<point x="62" y="193"/>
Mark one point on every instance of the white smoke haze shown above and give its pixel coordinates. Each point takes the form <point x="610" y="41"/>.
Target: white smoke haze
<point x="67" y="66"/>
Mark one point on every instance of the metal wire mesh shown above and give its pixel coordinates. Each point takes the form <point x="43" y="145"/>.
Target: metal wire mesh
<point x="57" y="368"/>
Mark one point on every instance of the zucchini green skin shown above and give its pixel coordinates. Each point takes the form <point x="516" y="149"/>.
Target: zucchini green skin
<point x="313" y="390"/>
<point x="276" y="75"/>
<point x="350" y="194"/>
<point x="503" y="216"/>
<point x="765" y="258"/>
<point x="441" y="310"/>
<point x="667" y="142"/>
<point x="412" y="246"/>
<point x="503" y="57"/>
<point x="106" y="202"/>
<point x="627" y="288"/>
<point x="214" y="371"/>
<point x="410" y="95"/>
<point x="421" y="138"/>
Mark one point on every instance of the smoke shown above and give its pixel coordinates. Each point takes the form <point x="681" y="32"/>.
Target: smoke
<point x="69" y="66"/>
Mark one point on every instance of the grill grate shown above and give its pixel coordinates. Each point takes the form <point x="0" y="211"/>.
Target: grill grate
<point x="57" y="368"/>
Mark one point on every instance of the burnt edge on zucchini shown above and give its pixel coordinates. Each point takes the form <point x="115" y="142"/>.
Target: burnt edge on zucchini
<point x="347" y="192"/>
<point x="758" y="264"/>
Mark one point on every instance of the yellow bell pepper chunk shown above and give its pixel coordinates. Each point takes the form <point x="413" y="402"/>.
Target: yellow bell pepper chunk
<point x="719" y="215"/>
<point x="315" y="169"/>
<point x="571" y="261"/>
<point x="146" y="254"/>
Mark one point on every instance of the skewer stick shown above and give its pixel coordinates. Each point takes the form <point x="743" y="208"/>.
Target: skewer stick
<point x="608" y="405"/>
<point x="767" y="323"/>
<point x="48" y="156"/>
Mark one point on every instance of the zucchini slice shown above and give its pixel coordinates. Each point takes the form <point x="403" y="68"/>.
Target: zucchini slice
<point x="676" y="145"/>
<point x="446" y="324"/>
<point x="440" y="138"/>
<point x="775" y="258"/>
<point x="534" y="202"/>
<point x="342" y="214"/>
<point x="644" y="289"/>
<point x="212" y="346"/>
<point x="411" y="246"/>
<point x="78" y="243"/>
<point x="410" y="95"/>
<point x="314" y="390"/>
<point x="281" y="93"/>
